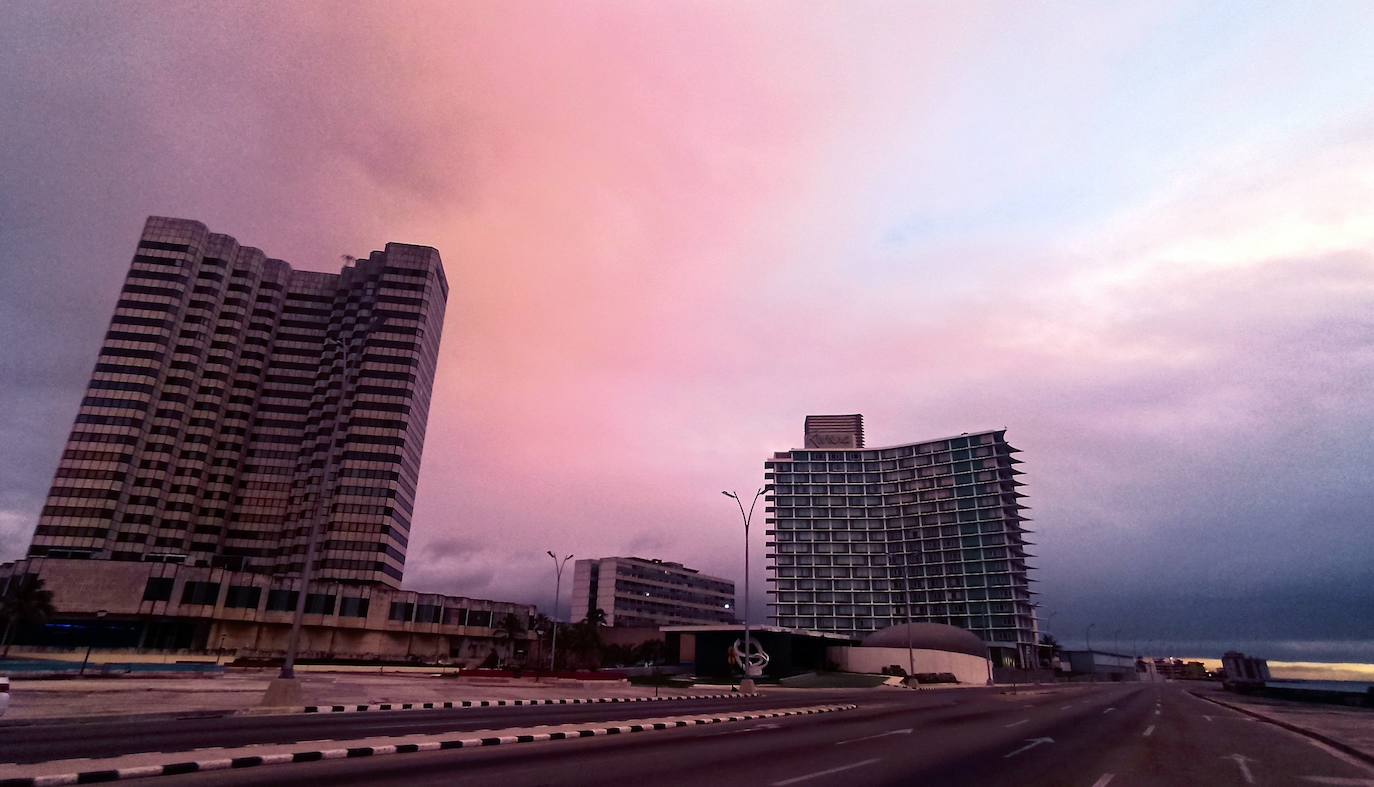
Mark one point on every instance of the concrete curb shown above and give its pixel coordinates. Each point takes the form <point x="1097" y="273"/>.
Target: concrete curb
<point x="394" y="706"/>
<point x="1326" y="739"/>
<point x="344" y="708"/>
<point x="227" y="763"/>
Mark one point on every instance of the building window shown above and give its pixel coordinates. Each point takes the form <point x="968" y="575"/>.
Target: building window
<point x="352" y="607"/>
<point x="158" y="589"/>
<point x="242" y="597"/>
<point x="428" y="613"/>
<point x="401" y="611"/>
<point x="282" y="600"/>
<point x="200" y="593"/>
<point x="319" y="604"/>
<point x="455" y="616"/>
<point x="481" y="619"/>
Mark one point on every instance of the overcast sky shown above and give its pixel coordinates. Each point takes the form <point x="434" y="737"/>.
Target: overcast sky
<point x="1139" y="236"/>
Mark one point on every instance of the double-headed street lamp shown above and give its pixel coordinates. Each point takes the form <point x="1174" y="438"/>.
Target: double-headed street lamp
<point x="557" y="596"/>
<point x="748" y="652"/>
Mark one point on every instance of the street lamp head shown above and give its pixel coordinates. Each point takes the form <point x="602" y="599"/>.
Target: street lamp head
<point x="729" y="494"/>
<point x="552" y="555"/>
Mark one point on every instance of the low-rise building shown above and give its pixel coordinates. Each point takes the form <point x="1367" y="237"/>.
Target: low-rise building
<point x="1178" y="669"/>
<point x="166" y="606"/>
<point x="1243" y="670"/>
<point x="635" y="591"/>
<point x="1099" y="665"/>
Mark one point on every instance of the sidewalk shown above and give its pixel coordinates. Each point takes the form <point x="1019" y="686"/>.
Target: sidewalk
<point x="32" y="700"/>
<point x="1349" y="729"/>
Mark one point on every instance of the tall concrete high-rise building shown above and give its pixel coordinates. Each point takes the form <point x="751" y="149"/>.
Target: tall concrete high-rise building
<point x="236" y="401"/>
<point x="854" y="531"/>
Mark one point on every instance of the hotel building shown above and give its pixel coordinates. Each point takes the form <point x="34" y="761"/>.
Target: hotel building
<point x="236" y="401"/>
<point x="633" y="591"/>
<point x="236" y="404"/>
<point x="854" y="531"/>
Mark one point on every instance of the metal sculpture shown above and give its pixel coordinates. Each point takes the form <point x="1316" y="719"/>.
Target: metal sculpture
<point x="753" y="661"/>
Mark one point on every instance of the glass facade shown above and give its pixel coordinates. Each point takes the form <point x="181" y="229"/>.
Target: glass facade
<point x="236" y="401"/>
<point x="853" y="533"/>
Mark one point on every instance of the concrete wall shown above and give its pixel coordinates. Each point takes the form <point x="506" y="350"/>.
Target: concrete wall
<point x="84" y="588"/>
<point x="968" y="669"/>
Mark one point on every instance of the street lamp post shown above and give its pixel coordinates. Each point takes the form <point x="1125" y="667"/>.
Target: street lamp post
<point x="1092" y="660"/>
<point x="747" y="684"/>
<point x="288" y="665"/>
<point x="906" y="586"/>
<point x="90" y="640"/>
<point x="557" y="596"/>
<point x="284" y="690"/>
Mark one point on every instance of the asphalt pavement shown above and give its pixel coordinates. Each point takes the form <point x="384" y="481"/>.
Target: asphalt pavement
<point x="111" y="737"/>
<point x="1094" y="736"/>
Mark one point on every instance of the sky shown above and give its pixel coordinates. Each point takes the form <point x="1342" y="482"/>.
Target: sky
<point x="1138" y="236"/>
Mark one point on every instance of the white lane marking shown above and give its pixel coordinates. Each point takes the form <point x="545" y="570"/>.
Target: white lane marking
<point x="1015" y="724"/>
<point x="818" y="774"/>
<point x="1109" y="710"/>
<point x="1205" y="716"/>
<point x="1031" y="743"/>
<point x="1358" y="765"/>
<point x="1340" y="780"/>
<point x="1150" y="730"/>
<point x="1066" y="707"/>
<point x="758" y="728"/>
<point x="1244" y="763"/>
<point x="1104" y="780"/>
<point x="1156" y="711"/>
<point x="906" y="731"/>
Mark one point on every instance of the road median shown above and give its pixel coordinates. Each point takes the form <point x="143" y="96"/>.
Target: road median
<point x="139" y="766"/>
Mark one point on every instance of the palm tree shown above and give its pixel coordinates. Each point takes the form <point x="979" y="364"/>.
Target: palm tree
<point x="24" y="602"/>
<point x="510" y="628"/>
<point x="541" y="628"/>
<point x="651" y="652"/>
<point x="595" y="617"/>
<point x="1049" y="649"/>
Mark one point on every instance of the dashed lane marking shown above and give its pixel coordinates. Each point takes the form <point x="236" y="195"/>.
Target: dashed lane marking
<point x="819" y="774"/>
<point x="1150" y="730"/>
<point x="1109" y="710"/>
<point x="1016" y="724"/>
<point x="1104" y="780"/>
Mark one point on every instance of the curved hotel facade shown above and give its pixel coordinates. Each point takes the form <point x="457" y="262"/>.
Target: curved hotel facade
<point x="855" y="531"/>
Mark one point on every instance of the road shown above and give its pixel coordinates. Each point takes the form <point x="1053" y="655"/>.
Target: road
<point x="1150" y="734"/>
<point x="105" y="738"/>
<point x="1094" y="736"/>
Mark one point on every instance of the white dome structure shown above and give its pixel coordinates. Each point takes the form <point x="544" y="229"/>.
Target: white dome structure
<point x="928" y="636"/>
<point x="934" y="648"/>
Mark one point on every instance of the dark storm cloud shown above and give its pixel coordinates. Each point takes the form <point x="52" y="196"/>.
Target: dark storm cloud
<point x="659" y="227"/>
